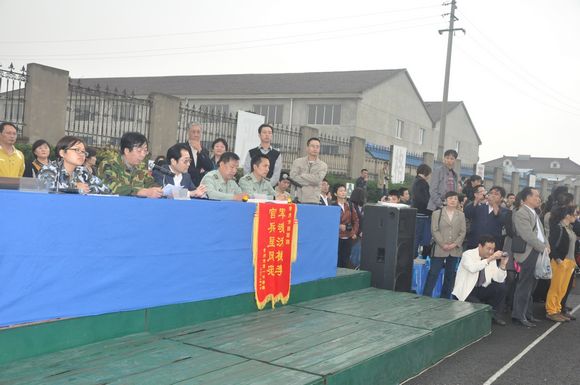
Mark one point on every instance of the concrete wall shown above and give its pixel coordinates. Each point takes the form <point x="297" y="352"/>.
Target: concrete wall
<point x="458" y="128"/>
<point x="45" y="101"/>
<point x="383" y="105"/>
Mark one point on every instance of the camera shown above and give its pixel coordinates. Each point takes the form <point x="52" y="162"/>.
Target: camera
<point x="348" y="227"/>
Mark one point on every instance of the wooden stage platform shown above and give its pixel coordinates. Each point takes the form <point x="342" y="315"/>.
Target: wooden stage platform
<point x="363" y="336"/>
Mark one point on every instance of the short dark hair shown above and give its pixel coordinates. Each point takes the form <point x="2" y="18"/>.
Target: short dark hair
<point x="451" y="152"/>
<point x="37" y="144"/>
<point x="510" y="195"/>
<point x="219" y="140"/>
<point x="91" y="151"/>
<point x="358" y="196"/>
<point x="265" y="125"/>
<point x="227" y="156"/>
<point x="394" y="193"/>
<point x="65" y="143"/>
<point x="526" y="192"/>
<point x="485" y="238"/>
<point x="477" y="188"/>
<point x="364" y="169"/>
<point x="424" y="169"/>
<point x="174" y="152"/>
<point x="475" y="177"/>
<point x="4" y="124"/>
<point x="311" y="139"/>
<point x="130" y="140"/>
<point x="256" y="160"/>
<point x="499" y="189"/>
<point x="325" y="180"/>
<point x="449" y="194"/>
<point x="402" y="190"/>
<point x="337" y="186"/>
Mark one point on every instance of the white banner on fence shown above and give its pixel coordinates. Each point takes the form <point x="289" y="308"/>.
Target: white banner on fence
<point x="480" y="170"/>
<point x="247" y="133"/>
<point x="532" y="181"/>
<point x="398" y="164"/>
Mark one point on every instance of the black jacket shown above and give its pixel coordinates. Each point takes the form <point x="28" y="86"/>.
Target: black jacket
<point x="420" y="195"/>
<point x="559" y="241"/>
<point x="203" y="165"/>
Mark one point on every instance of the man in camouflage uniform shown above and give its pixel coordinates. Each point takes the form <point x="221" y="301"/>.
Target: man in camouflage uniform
<point x="256" y="182"/>
<point x="126" y="173"/>
<point x="220" y="183"/>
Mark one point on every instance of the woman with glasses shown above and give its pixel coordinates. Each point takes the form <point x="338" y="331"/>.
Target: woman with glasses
<point x="67" y="172"/>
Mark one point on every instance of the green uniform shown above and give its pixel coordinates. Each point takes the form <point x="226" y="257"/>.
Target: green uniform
<point x="121" y="178"/>
<point x="249" y="184"/>
<point x="218" y="188"/>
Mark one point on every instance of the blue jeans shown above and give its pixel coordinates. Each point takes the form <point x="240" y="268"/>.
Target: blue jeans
<point x="422" y="233"/>
<point x="437" y="264"/>
<point x="355" y="253"/>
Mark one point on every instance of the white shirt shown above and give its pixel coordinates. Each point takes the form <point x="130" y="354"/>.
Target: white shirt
<point x="538" y="225"/>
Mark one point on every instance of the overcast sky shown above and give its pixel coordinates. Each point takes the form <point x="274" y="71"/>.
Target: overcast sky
<point x="517" y="69"/>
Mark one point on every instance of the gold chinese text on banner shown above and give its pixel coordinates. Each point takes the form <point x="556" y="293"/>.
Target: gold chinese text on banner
<point x="274" y="246"/>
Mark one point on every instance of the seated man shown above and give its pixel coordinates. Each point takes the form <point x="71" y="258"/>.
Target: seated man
<point x="479" y="279"/>
<point x="174" y="171"/>
<point x="220" y="183"/>
<point x="126" y="173"/>
<point x="256" y="183"/>
<point x="283" y="187"/>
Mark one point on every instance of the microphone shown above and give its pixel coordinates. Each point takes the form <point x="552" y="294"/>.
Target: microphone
<point x="287" y="177"/>
<point x="153" y="167"/>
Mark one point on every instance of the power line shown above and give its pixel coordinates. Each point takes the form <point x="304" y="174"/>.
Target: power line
<point x="136" y="37"/>
<point x="123" y="56"/>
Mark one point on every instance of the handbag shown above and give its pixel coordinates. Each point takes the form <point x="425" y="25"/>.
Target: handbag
<point x="543" y="267"/>
<point x="433" y="243"/>
<point x="518" y="243"/>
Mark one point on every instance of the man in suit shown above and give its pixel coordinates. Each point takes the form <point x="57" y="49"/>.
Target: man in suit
<point x="325" y="195"/>
<point x="175" y="171"/>
<point x="200" y="161"/>
<point x="479" y="279"/>
<point x="527" y="225"/>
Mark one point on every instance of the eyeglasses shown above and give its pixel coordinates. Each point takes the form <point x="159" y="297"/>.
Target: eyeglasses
<point x="143" y="150"/>
<point x="78" y="151"/>
<point x="186" y="160"/>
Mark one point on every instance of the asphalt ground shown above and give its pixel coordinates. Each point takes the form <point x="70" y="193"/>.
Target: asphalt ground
<point x="554" y="360"/>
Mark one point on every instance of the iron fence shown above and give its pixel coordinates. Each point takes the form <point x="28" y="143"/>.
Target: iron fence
<point x="287" y="140"/>
<point x="101" y="117"/>
<point x="214" y="125"/>
<point x="335" y="152"/>
<point x="12" y="90"/>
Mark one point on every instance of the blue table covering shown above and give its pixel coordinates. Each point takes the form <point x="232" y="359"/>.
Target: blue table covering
<point x="72" y="255"/>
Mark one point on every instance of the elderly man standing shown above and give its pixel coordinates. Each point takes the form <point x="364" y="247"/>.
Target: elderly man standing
<point x="126" y="173"/>
<point x="265" y="132"/>
<point x="308" y="172"/>
<point x="220" y="183"/>
<point x="443" y="179"/>
<point x="528" y="226"/>
<point x="11" y="159"/>
<point x="200" y="160"/>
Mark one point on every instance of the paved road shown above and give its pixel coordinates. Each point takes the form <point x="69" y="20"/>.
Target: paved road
<point x="555" y="360"/>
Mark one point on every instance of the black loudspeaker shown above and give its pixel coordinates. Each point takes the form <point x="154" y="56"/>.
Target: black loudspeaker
<point x="387" y="245"/>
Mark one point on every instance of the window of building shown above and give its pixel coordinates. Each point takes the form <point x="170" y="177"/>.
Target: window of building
<point x="421" y="135"/>
<point x="324" y="114"/>
<point x="457" y="146"/>
<point x="85" y="111"/>
<point x="399" y="129"/>
<point x="215" y="109"/>
<point x="554" y="165"/>
<point x="272" y="112"/>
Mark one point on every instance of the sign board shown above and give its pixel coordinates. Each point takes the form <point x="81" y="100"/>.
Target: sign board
<point x="247" y="133"/>
<point x="532" y="180"/>
<point x="398" y="164"/>
<point x="480" y="170"/>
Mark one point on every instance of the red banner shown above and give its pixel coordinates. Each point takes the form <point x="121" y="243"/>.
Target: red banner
<point x="274" y="246"/>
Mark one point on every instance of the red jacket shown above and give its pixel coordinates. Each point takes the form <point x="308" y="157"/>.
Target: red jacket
<point x="345" y="219"/>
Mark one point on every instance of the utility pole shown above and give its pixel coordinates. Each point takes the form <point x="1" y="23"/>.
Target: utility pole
<point x="450" y="31"/>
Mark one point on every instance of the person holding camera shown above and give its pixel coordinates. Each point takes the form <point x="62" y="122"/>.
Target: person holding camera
<point x="348" y="227"/>
<point x="480" y="279"/>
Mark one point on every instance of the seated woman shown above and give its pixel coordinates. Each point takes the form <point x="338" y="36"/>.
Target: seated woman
<point x="218" y="147"/>
<point x="41" y="152"/>
<point x="68" y="172"/>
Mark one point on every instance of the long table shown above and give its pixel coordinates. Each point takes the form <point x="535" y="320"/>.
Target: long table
<point x="71" y="255"/>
